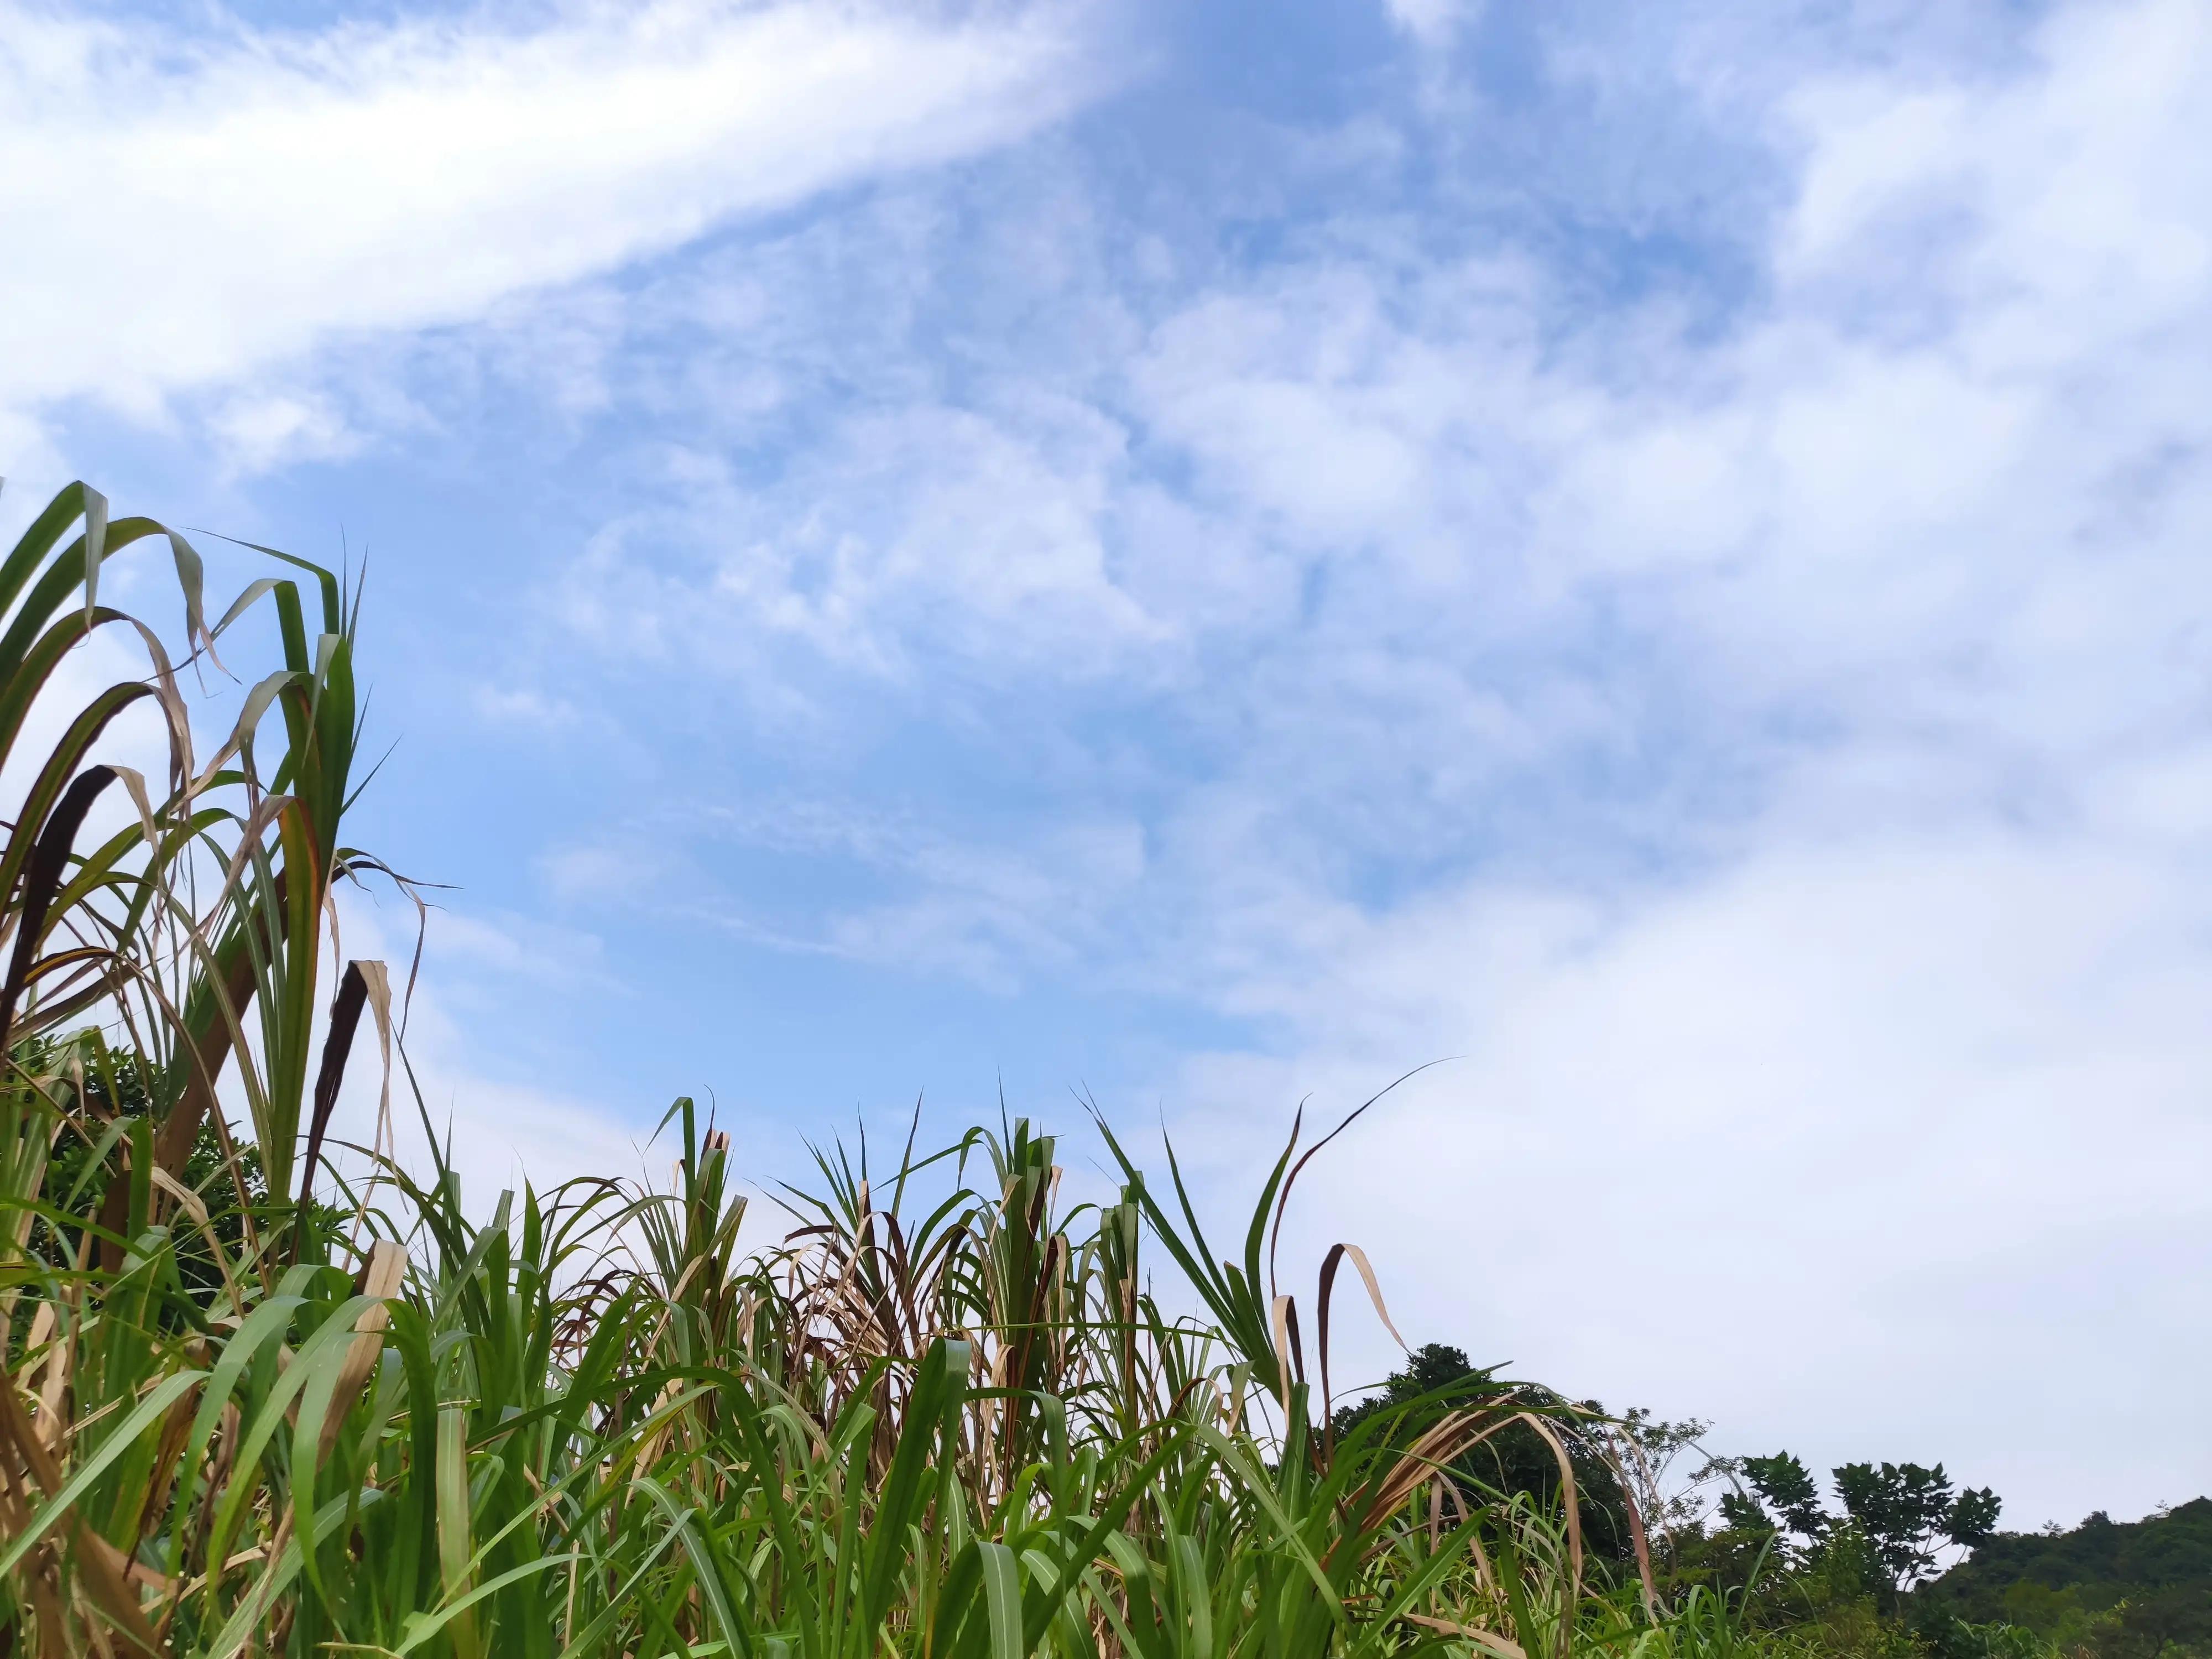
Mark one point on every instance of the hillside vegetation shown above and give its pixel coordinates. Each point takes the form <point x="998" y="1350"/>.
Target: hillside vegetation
<point x="2118" y="1589"/>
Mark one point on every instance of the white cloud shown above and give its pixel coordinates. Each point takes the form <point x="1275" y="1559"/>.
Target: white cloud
<point x="601" y="871"/>
<point x="1432" y="23"/>
<point x="986" y="913"/>
<point x="1857" y="1148"/>
<point x="927" y="529"/>
<point x="2066" y="181"/>
<point x="995" y="914"/>
<point x="257" y="432"/>
<point x="523" y="707"/>
<point x="1419" y="538"/>
<point x="517" y="948"/>
<point x="190" y="210"/>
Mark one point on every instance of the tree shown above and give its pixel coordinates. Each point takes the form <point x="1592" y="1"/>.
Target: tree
<point x="1786" y="1488"/>
<point x="1907" y="1511"/>
<point x="1902" y="1512"/>
<point x="1672" y="1504"/>
<point x="1517" y="1459"/>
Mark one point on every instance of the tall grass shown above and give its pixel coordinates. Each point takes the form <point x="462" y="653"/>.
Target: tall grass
<point x="948" y="1414"/>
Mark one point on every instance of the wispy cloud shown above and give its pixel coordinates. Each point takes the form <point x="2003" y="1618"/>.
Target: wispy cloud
<point x="193" y="208"/>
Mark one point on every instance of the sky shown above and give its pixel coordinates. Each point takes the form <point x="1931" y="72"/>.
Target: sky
<point x="1205" y="554"/>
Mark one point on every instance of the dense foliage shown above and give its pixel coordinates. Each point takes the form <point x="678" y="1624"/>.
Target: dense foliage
<point x="1520" y="1460"/>
<point x="2114" y="1589"/>
<point x="1901" y="1514"/>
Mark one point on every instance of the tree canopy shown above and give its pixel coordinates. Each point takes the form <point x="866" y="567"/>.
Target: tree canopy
<point x="1517" y="1460"/>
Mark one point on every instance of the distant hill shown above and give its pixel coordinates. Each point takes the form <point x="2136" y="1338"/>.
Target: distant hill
<point x="2125" y="1589"/>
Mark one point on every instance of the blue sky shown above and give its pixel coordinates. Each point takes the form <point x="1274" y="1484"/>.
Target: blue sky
<point x="1216" y="553"/>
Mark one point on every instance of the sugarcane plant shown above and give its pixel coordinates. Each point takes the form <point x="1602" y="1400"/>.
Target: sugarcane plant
<point x="253" y="1404"/>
